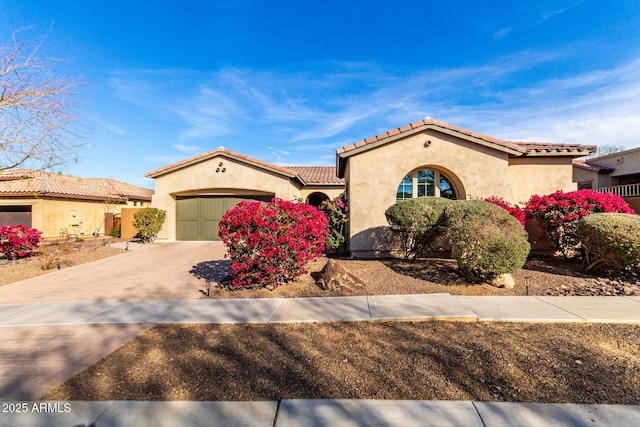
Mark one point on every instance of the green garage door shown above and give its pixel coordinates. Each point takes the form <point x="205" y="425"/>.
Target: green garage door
<point x="197" y="218"/>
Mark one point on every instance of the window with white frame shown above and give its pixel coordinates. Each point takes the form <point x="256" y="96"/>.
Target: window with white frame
<point x="426" y="182"/>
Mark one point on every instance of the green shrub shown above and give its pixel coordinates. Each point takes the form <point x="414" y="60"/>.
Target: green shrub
<point x="611" y="241"/>
<point x="558" y="214"/>
<point x="336" y="211"/>
<point x="148" y="222"/>
<point x="486" y="241"/>
<point x="417" y="220"/>
<point x="116" y="232"/>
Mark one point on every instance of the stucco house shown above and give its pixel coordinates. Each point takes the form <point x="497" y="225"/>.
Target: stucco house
<point x="617" y="173"/>
<point x="197" y="191"/>
<point x="427" y="157"/>
<point x="55" y="203"/>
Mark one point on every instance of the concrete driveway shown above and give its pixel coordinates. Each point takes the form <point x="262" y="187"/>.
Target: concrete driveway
<point x="158" y="271"/>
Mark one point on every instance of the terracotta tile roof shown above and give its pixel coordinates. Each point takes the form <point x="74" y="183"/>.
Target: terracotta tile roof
<point x="209" y="154"/>
<point x="544" y="147"/>
<point x="582" y="164"/>
<point x="317" y="174"/>
<point x="523" y="148"/>
<point x="28" y="183"/>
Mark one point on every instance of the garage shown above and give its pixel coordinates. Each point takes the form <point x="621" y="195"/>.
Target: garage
<point x="198" y="218"/>
<point x="15" y="215"/>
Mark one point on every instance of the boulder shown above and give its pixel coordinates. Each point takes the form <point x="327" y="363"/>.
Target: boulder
<point x="334" y="277"/>
<point x="504" y="281"/>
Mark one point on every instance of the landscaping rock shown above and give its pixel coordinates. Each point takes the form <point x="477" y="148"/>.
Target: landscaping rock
<point x="334" y="277"/>
<point x="598" y="287"/>
<point x="504" y="281"/>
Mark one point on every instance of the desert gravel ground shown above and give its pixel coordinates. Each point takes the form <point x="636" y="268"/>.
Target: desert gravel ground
<point x="598" y="363"/>
<point x="402" y="277"/>
<point x="69" y="254"/>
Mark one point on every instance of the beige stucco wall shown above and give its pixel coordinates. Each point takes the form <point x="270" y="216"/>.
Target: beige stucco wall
<point x="624" y="163"/>
<point x="583" y="175"/>
<point x="539" y="175"/>
<point x="53" y="215"/>
<point x="374" y="176"/>
<point x="634" y="202"/>
<point x="127" y="230"/>
<point x="331" y="191"/>
<point x="202" y="179"/>
<point x="477" y="171"/>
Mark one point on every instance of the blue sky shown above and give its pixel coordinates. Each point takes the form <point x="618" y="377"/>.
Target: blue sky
<point x="288" y="82"/>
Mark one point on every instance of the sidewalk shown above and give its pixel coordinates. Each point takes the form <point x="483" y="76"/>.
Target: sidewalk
<point x="278" y="310"/>
<point x="43" y="344"/>
<point x="295" y="413"/>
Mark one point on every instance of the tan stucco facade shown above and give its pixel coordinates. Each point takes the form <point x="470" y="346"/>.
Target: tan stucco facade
<point x="331" y="191"/>
<point x="583" y="176"/>
<point x="369" y="172"/>
<point x="476" y="171"/>
<point x="220" y="175"/>
<point x="54" y="216"/>
<point x="539" y="175"/>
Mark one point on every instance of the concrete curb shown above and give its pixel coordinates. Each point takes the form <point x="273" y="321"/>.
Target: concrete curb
<point x="315" y="412"/>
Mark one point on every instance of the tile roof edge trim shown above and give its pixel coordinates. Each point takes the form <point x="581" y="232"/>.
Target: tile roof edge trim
<point x="415" y="130"/>
<point x="55" y="195"/>
<point x="281" y="170"/>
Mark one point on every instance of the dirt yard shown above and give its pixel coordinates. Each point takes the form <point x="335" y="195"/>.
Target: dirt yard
<point x="66" y="254"/>
<point x="597" y="363"/>
<point x="401" y="277"/>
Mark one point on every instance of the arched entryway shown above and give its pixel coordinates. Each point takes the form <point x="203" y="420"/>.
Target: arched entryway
<point x="316" y="199"/>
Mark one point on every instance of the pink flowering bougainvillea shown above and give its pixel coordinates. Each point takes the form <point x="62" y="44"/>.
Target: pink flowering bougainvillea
<point x="18" y="241"/>
<point x="515" y="211"/>
<point x="271" y="243"/>
<point x="559" y="213"/>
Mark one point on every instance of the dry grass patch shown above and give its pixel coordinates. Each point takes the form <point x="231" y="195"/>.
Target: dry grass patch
<point x="596" y="363"/>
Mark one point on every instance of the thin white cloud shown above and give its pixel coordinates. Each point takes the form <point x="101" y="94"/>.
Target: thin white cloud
<point x="324" y="110"/>
<point x="551" y="13"/>
<point x="110" y="127"/>
<point x="163" y="159"/>
<point x="503" y="32"/>
<point x="189" y="149"/>
<point x="532" y="17"/>
<point x="597" y="107"/>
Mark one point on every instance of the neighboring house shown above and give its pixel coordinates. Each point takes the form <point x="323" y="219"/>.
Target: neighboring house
<point x="197" y="191"/>
<point x="617" y="173"/>
<point x="56" y="204"/>
<point x="427" y="157"/>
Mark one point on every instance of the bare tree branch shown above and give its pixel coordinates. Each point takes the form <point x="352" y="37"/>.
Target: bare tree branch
<point x="38" y="127"/>
<point x="606" y="149"/>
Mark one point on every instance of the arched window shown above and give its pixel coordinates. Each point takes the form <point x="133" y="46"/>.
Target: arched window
<point x="422" y="182"/>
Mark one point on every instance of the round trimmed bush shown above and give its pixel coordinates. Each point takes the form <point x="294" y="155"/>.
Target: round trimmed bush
<point x="611" y="241"/>
<point x="486" y="241"/>
<point x="418" y="221"/>
<point x="558" y="214"/>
